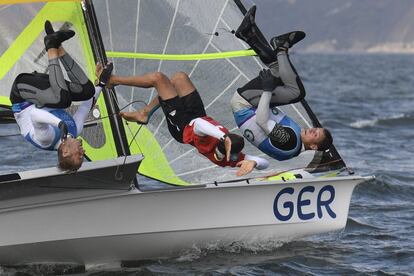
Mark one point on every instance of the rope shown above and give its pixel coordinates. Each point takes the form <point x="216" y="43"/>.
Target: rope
<point x="9" y="135"/>
<point x="115" y="114"/>
<point x="119" y="170"/>
<point x="247" y="179"/>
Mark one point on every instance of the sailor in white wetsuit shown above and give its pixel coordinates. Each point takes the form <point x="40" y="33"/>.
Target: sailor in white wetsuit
<point x="38" y="102"/>
<point x="255" y="104"/>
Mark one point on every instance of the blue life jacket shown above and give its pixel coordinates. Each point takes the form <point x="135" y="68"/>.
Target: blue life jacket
<point x="246" y="121"/>
<point x="64" y="116"/>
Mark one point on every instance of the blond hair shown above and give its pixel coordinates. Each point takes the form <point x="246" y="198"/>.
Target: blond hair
<point x="66" y="163"/>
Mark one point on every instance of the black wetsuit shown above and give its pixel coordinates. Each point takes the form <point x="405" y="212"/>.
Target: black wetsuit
<point x="52" y="90"/>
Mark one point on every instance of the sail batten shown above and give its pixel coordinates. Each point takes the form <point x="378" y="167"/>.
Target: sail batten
<point x="201" y="56"/>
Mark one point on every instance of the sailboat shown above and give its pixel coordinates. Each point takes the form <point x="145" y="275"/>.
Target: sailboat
<point x="102" y="213"/>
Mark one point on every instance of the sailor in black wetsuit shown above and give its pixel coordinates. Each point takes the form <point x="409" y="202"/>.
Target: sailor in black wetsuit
<point x="38" y="102"/>
<point x="255" y="104"/>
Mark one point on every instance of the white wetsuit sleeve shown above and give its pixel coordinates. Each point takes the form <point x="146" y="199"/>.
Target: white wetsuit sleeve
<point x="262" y="113"/>
<point x="205" y="128"/>
<point x="82" y="112"/>
<point x="261" y="163"/>
<point x="43" y="132"/>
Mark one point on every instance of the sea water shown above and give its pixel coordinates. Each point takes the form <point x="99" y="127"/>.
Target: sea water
<point x="367" y="101"/>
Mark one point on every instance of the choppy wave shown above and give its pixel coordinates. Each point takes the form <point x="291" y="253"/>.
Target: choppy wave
<point x="42" y="269"/>
<point x="378" y="238"/>
<point x="386" y="187"/>
<point x="354" y="224"/>
<point x="236" y="247"/>
<point x="393" y="119"/>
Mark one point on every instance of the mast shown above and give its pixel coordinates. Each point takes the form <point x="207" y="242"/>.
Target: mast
<point x="98" y="50"/>
<point x="331" y="157"/>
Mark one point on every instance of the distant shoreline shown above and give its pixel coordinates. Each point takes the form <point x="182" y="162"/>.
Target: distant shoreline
<point x="383" y="48"/>
<point x="352" y="52"/>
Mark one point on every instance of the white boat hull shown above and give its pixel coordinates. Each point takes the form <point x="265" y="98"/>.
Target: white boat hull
<point x="138" y="225"/>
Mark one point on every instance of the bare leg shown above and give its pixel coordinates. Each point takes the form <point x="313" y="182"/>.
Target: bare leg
<point x="61" y="51"/>
<point x="142" y="116"/>
<point x="158" y="80"/>
<point x="182" y="84"/>
<point x="53" y="53"/>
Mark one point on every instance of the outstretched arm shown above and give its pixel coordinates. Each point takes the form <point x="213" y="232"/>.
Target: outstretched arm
<point x="262" y="113"/>
<point x="82" y="112"/>
<point x="249" y="163"/>
<point x="205" y="128"/>
<point x="272" y="129"/>
<point x="261" y="163"/>
<point x="41" y="132"/>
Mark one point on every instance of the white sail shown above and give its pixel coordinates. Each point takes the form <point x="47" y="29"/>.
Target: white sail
<point x="186" y="27"/>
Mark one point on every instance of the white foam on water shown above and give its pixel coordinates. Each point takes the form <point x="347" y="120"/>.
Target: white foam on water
<point x="254" y="245"/>
<point x="364" y="123"/>
<point x="373" y="122"/>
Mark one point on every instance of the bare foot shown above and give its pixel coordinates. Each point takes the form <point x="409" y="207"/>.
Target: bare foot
<point x="139" y="116"/>
<point x="98" y="69"/>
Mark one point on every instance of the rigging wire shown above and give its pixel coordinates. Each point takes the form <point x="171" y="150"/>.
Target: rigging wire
<point x="248" y="179"/>
<point x="9" y="135"/>
<point x="119" y="170"/>
<point x="224" y="31"/>
<point x="116" y="114"/>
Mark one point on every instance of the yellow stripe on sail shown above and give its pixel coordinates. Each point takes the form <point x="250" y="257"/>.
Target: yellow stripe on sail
<point x="206" y="56"/>
<point x="60" y="12"/>
<point x="5" y="101"/>
<point x="155" y="163"/>
<point x="31" y="33"/>
<point x="7" y="2"/>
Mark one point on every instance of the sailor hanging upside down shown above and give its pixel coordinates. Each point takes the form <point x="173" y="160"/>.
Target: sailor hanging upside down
<point x="188" y="122"/>
<point x="38" y="102"/>
<point x="254" y="106"/>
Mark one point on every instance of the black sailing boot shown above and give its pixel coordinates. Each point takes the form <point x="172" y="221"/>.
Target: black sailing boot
<point x="287" y="40"/>
<point x="250" y="33"/>
<point x="105" y="75"/>
<point x="48" y="28"/>
<point x="55" y="39"/>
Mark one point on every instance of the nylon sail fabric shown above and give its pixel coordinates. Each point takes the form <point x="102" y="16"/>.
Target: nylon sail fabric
<point x="22" y="50"/>
<point x="184" y="27"/>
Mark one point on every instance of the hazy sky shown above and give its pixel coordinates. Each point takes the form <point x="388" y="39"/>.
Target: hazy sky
<point x="341" y="25"/>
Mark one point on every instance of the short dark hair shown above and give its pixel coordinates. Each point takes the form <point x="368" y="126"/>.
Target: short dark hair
<point x="237" y="144"/>
<point x="326" y="143"/>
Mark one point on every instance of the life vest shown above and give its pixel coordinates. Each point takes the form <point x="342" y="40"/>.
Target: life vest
<point x="206" y="145"/>
<point x="69" y="121"/>
<point x="246" y="121"/>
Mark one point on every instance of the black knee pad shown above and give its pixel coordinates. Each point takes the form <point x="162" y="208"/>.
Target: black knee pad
<point x="65" y="100"/>
<point x="88" y="90"/>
